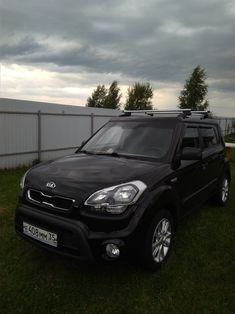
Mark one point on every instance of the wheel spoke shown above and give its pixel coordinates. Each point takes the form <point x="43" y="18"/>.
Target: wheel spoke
<point x="159" y="253"/>
<point x="168" y="234"/>
<point x="165" y="250"/>
<point x="155" y="244"/>
<point x="166" y="242"/>
<point x="165" y="225"/>
<point x="156" y="250"/>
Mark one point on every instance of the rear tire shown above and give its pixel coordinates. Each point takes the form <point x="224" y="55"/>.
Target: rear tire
<point x="158" y="240"/>
<point x="222" y="193"/>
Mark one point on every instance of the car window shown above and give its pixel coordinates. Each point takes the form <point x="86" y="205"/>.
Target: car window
<point x="209" y="137"/>
<point x="191" y="137"/>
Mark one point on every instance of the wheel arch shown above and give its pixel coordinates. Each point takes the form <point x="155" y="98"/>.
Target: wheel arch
<point x="228" y="172"/>
<point x="165" y="199"/>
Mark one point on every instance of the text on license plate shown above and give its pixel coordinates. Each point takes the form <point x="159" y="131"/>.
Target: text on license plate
<point x="40" y="234"/>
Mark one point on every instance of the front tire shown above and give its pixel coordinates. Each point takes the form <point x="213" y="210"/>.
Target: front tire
<point x="158" y="240"/>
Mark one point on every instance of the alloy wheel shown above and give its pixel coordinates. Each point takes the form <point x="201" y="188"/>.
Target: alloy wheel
<point x="161" y="240"/>
<point x="225" y="190"/>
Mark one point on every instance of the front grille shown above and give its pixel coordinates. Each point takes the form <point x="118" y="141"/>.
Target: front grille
<point x="52" y="201"/>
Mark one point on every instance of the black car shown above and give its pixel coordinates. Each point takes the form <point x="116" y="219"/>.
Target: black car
<point x="123" y="191"/>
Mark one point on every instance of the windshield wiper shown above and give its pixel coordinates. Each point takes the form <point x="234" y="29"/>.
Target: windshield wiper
<point x="86" y="152"/>
<point x="114" y="154"/>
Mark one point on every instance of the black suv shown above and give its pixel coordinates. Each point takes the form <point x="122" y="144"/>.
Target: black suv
<point x="123" y="191"/>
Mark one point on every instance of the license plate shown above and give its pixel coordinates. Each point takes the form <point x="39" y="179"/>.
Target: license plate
<point x="40" y="234"/>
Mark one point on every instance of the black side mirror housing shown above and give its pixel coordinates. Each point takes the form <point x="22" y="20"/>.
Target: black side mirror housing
<point x="191" y="153"/>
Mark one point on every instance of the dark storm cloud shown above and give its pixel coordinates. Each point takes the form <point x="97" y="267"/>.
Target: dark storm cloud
<point x="155" y="40"/>
<point x="26" y="46"/>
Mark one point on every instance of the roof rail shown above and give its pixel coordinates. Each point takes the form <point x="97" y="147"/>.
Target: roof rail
<point x="205" y="114"/>
<point x="179" y="112"/>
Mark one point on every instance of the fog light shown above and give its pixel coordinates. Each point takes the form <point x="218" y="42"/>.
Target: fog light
<point x="112" y="250"/>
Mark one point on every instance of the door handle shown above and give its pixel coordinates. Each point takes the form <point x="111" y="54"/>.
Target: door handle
<point x="174" y="180"/>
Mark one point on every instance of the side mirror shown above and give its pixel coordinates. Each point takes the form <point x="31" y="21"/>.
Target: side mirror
<point x="191" y="153"/>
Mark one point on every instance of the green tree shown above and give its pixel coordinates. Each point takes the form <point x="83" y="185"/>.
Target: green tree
<point x="105" y="98"/>
<point x="98" y="97"/>
<point x="195" y="90"/>
<point x="139" y="97"/>
<point x="112" y="100"/>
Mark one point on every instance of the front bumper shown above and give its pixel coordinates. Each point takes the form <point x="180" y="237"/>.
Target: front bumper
<point x="74" y="237"/>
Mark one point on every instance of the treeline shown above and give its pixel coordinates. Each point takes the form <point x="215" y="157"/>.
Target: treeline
<point x="140" y="95"/>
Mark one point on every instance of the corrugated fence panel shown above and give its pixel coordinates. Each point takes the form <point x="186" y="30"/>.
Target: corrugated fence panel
<point x="99" y="122"/>
<point x="57" y="154"/>
<point x="64" y="131"/>
<point x="62" y="126"/>
<point x="226" y="125"/>
<point x="15" y="161"/>
<point x="18" y="133"/>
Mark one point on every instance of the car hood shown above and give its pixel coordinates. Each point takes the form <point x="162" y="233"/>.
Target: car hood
<point x="80" y="175"/>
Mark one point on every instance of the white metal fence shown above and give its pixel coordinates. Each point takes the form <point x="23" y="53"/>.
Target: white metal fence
<point x="227" y="125"/>
<point x="26" y="136"/>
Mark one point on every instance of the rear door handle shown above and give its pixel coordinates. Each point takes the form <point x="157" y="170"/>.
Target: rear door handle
<point x="174" y="180"/>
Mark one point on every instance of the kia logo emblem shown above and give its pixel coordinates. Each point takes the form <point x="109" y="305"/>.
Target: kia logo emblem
<point x="51" y="185"/>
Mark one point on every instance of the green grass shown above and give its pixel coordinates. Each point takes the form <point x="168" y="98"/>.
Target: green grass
<point x="199" y="277"/>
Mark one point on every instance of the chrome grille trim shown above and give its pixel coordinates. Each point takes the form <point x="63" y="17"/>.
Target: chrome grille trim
<point x="47" y="203"/>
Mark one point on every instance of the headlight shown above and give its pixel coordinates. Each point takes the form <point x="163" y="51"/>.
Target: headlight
<point x="115" y="199"/>
<point x="22" y="181"/>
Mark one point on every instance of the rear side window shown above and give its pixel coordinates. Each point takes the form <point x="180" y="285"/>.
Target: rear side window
<point x="191" y="137"/>
<point x="209" y="137"/>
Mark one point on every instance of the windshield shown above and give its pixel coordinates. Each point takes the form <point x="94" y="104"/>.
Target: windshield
<point x="149" y="139"/>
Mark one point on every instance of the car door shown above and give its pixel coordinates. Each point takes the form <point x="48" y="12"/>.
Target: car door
<point x="212" y="155"/>
<point x="190" y="176"/>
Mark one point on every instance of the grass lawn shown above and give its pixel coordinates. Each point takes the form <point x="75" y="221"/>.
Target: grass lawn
<point x="198" y="278"/>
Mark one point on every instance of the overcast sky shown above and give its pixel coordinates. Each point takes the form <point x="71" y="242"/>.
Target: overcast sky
<point x="59" y="51"/>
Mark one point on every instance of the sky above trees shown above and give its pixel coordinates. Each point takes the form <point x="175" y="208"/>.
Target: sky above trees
<point x="59" y="51"/>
